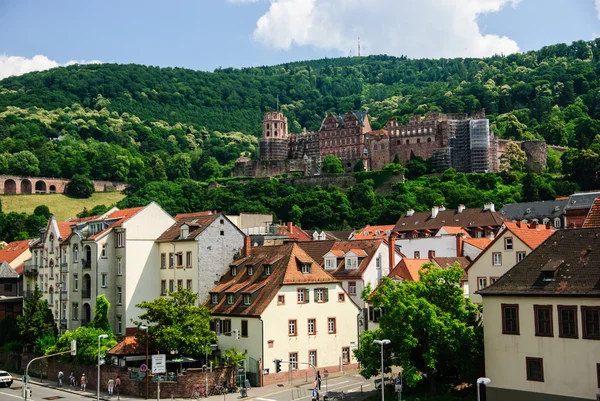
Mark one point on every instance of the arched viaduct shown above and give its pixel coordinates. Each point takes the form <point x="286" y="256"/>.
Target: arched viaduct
<point x="14" y="185"/>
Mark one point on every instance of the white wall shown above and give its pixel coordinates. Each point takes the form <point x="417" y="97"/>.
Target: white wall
<point x="470" y="252"/>
<point x="444" y="246"/>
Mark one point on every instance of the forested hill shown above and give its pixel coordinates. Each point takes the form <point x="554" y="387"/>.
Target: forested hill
<point x="527" y="86"/>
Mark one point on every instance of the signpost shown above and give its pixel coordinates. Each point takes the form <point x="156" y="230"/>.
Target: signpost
<point x="398" y="387"/>
<point x="159" y="365"/>
<point x="326" y="375"/>
<point x="143" y="368"/>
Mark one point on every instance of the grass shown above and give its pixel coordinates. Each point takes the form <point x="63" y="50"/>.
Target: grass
<point x="60" y="205"/>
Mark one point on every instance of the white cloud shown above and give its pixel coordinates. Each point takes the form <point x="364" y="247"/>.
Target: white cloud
<point x="16" y="65"/>
<point x="416" y="28"/>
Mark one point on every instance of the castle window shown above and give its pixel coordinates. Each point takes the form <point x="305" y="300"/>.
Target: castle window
<point x="428" y="139"/>
<point x="375" y="147"/>
<point x="268" y="133"/>
<point x="382" y="146"/>
<point x="268" y="126"/>
<point x="398" y="142"/>
<point x="407" y="141"/>
<point x="274" y="133"/>
<point x="418" y="140"/>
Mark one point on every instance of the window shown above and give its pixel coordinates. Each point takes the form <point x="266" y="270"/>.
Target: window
<point x="250" y="270"/>
<point x="520" y="256"/>
<point x="75" y="282"/>
<point x="497" y="258"/>
<point x="346" y="355"/>
<point x="341" y="297"/>
<point x="352" y="287"/>
<point x="233" y="270"/>
<point x="510" y="319"/>
<point x="312" y="326"/>
<point x="119" y="267"/>
<point x="51" y="250"/>
<point x="481" y="283"/>
<point x="179" y="259"/>
<point x="567" y="321"/>
<point x="222" y="233"/>
<point x="230" y="299"/>
<point x="557" y="222"/>
<point x="431" y="254"/>
<point x="312" y="357"/>
<point x="120" y="239"/>
<point x="221" y="221"/>
<point x="75" y="313"/>
<point x="319" y="295"/>
<point x="244" y="328"/>
<point x="103" y="254"/>
<point x="103" y="279"/>
<point x="535" y="369"/>
<point x="292" y="327"/>
<point x="293" y="360"/>
<point x="267" y="270"/>
<point x="163" y="287"/>
<point x="305" y="268"/>
<point x="226" y="327"/>
<point x="171" y="260"/>
<point x="246" y="299"/>
<point x="189" y="285"/>
<point x="171" y="285"/>
<point x="217" y="326"/>
<point x="179" y="285"/>
<point x="330" y="263"/>
<point x="214" y="299"/>
<point x="331" y="325"/>
<point x="280" y="299"/>
<point x="417" y="255"/>
<point x="351" y="262"/>
<point x="543" y="320"/>
<point x="590" y="316"/>
<point x="75" y="254"/>
<point x="119" y="325"/>
<point x="163" y="260"/>
<point x="494" y="279"/>
<point x="188" y="259"/>
<point x="302" y="295"/>
<point x="508" y="244"/>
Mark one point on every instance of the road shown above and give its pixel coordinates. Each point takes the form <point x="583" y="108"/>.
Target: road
<point x="44" y="393"/>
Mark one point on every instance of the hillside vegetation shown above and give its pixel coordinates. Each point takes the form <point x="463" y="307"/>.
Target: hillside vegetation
<point x="146" y="123"/>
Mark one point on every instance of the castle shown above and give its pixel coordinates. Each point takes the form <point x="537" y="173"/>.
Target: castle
<point x="457" y="140"/>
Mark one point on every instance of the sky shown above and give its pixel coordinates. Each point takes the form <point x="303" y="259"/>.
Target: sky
<point x="208" y="34"/>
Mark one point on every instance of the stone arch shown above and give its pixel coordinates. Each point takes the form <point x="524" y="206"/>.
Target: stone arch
<point x="40" y="187"/>
<point x="26" y="187"/>
<point x="52" y="189"/>
<point x="87" y="314"/>
<point x="10" y="187"/>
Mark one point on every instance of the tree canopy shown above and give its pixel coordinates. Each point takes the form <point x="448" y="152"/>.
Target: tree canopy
<point x="37" y="320"/>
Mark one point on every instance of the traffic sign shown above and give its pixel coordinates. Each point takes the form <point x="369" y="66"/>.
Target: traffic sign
<point x="326" y="373"/>
<point x="143" y="368"/>
<point x="159" y="363"/>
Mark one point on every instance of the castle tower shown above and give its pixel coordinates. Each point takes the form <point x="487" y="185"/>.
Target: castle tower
<point x="274" y="142"/>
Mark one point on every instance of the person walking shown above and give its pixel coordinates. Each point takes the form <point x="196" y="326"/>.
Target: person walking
<point x="319" y="380"/>
<point x="72" y="379"/>
<point x="111" y="384"/>
<point x="60" y="378"/>
<point x="83" y="382"/>
<point x="118" y="385"/>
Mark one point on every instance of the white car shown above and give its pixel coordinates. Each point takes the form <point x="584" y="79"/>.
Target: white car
<point x="6" y="380"/>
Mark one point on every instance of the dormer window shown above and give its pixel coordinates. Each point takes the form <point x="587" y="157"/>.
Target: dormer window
<point x="377" y="232"/>
<point x="230" y="299"/>
<point x="214" y="299"/>
<point x="306" y="268"/>
<point x="234" y="270"/>
<point x="184" y="231"/>
<point x="547" y="275"/>
<point x="250" y="270"/>
<point x="247" y="299"/>
<point x="351" y="262"/>
<point x="330" y="263"/>
<point x="267" y="270"/>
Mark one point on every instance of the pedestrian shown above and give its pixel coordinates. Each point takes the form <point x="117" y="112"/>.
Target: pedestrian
<point x="319" y="379"/>
<point x="60" y="378"/>
<point x="118" y="384"/>
<point x="315" y="395"/>
<point x="72" y="379"/>
<point x="83" y="381"/>
<point x="111" y="384"/>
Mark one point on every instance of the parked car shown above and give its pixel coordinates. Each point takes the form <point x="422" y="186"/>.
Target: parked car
<point x="6" y="380"/>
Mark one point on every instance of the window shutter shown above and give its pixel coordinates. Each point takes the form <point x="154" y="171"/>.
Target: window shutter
<point x="326" y="294"/>
<point x="307" y="296"/>
<point x="315" y="293"/>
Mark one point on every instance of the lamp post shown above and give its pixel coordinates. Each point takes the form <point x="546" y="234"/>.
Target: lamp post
<point x="382" y="343"/>
<point x="101" y="336"/>
<point x="146" y="372"/>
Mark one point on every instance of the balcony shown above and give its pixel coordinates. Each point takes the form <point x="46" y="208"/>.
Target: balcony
<point x="86" y="264"/>
<point x="30" y="268"/>
<point x="64" y="267"/>
<point x="86" y="294"/>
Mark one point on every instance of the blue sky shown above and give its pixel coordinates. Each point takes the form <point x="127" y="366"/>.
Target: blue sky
<point x="207" y="34"/>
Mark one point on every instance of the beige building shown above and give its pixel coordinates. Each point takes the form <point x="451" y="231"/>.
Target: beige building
<point x="196" y="251"/>
<point x="282" y="305"/>
<point x="542" y="323"/>
<point x="15" y="253"/>
<point x="511" y="245"/>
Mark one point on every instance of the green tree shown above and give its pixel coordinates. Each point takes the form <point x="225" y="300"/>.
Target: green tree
<point x="80" y="187"/>
<point x="531" y="188"/>
<point x="513" y="158"/>
<point x="295" y="214"/>
<point x="42" y="210"/>
<point x="37" y="320"/>
<point x="415" y="168"/>
<point x="24" y="163"/>
<point x="332" y="165"/>
<point x="177" y="323"/>
<point x="87" y="345"/>
<point x="100" y="320"/>
<point x="358" y="166"/>
<point x="433" y="329"/>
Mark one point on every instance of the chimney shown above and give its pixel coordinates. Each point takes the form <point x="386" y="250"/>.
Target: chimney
<point x="489" y="206"/>
<point x="534" y="224"/>
<point x="434" y="212"/>
<point x="442" y="208"/>
<point x="247" y="245"/>
<point x="410" y="212"/>
<point x="519" y="223"/>
<point x="461" y="208"/>
<point x="548" y="225"/>
<point x="392" y="251"/>
<point x="289" y="227"/>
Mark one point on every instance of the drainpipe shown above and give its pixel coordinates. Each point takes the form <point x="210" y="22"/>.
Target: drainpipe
<point x="262" y="352"/>
<point x="96" y="270"/>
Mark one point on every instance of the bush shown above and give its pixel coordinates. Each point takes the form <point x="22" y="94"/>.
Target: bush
<point x="80" y="186"/>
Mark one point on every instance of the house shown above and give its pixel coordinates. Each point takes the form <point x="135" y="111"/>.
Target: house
<point x="578" y="207"/>
<point x="252" y="223"/>
<point x="512" y="244"/>
<point x="11" y="284"/>
<point x="113" y="254"/>
<point x="592" y="220"/>
<point x="472" y="247"/>
<point x="276" y="302"/>
<point x="373" y="232"/>
<point x="542" y="323"/>
<point x="330" y="235"/>
<point x="409" y="269"/>
<point x="15" y="253"/>
<point x="543" y="212"/>
<point x="196" y="251"/>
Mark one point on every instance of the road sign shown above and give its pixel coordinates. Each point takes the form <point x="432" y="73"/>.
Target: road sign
<point x="159" y="363"/>
<point x="326" y="373"/>
<point x="143" y="368"/>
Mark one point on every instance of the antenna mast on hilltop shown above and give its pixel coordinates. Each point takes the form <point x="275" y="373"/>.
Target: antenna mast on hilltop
<point x="359" y="46"/>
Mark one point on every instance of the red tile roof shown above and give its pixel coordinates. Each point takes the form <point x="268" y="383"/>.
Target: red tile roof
<point x="593" y="218"/>
<point x="531" y="234"/>
<point x="121" y="216"/>
<point x="369" y="232"/>
<point x="480" y="243"/>
<point x="408" y="269"/>
<point x="13" y="250"/>
<point x="127" y="346"/>
<point x="294" y="233"/>
<point x="196" y="222"/>
<point x="454" y="230"/>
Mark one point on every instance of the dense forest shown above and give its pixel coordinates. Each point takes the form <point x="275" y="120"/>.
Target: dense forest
<point x="131" y="122"/>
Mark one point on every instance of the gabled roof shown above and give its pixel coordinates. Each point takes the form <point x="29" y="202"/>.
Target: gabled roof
<point x="318" y="249"/>
<point x="408" y="269"/>
<point x="369" y="232"/>
<point x="116" y="219"/>
<point x="194" y="214"/>
<point x="480" y="243"/>
<point x="570" y="259"/>
<point x="453" y="230"/>
<point x="285" y="263"/>
<point x="196" y="224"/>
<point x="534" y="210"/>
<point x="127" y="346"/>
<point x="332" y="235"/>
<point x="582" y="200"/>
<point x="593" y="218"/>
<point x="7" y="272"/>
<point x="467" y="218"/>
<point x="13" y="250"/>
<point x="294" y="233"/>
<point x="444" y="263"/>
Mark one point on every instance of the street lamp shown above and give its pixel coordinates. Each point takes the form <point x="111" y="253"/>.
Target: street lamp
<point x="382" y="343"/>
<point x="101" y="336"/>
<point x="146" y="372"/>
